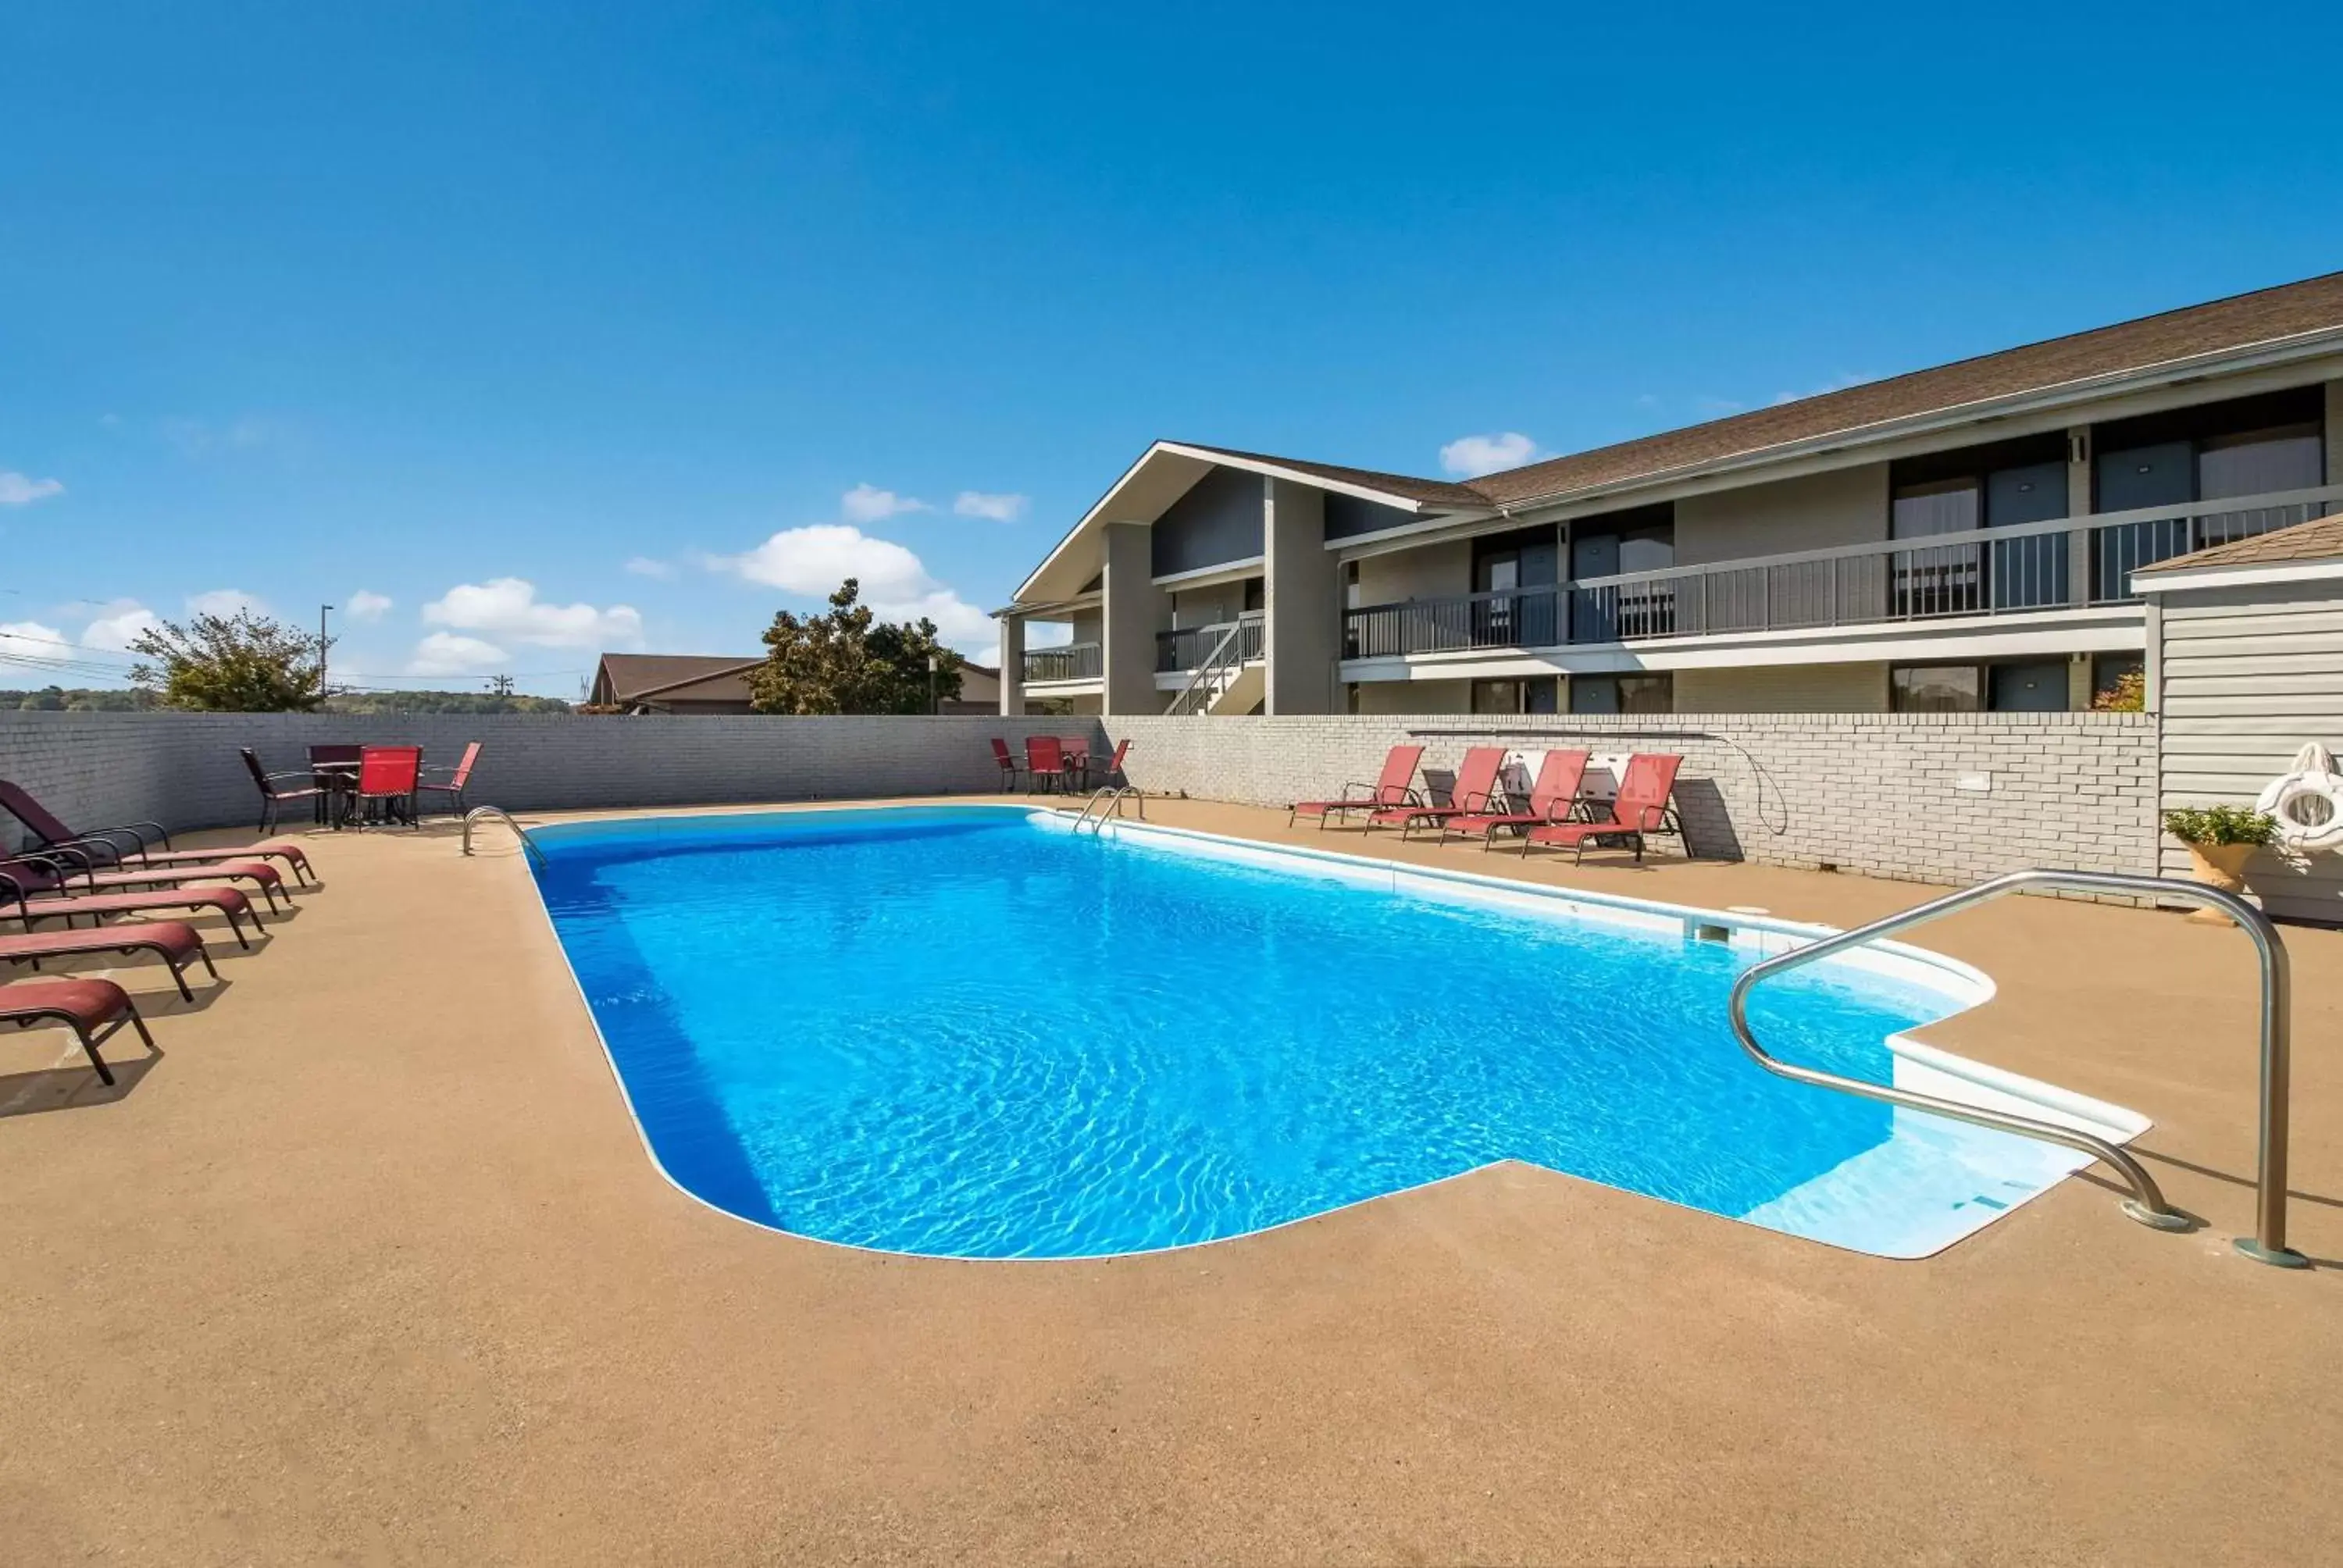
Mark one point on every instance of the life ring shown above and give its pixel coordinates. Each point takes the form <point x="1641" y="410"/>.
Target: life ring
<point x="2308" y="803"/>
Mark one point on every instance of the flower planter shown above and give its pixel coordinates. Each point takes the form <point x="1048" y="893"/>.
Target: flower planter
<point x="2221" y="865"/>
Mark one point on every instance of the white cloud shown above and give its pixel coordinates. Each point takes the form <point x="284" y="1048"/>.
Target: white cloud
<point x="1838" y="383"/>
<point x="999" y="508"/>
<point x="446" y="653"/>
<point x="31" y="639"/>
<point x="22" y="489"/>
<point x="119" y="623"/>
<point x="509" y="608"/>
<point x="644" y="567"/>
<point x="869" y="504"/>
<point x="810" y="562"/>
<point x="366" y="605"/>
<point x="1470" y="456"/>
<point x="226" y="603"/>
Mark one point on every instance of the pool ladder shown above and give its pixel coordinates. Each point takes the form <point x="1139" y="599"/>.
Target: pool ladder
<point x="1107" y="802"/>
<point x="501" y="815"/>
<point x="2147" y="1203"/>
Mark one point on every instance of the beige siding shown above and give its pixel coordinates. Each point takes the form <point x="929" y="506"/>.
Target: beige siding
<point x="2248" y="675"/>
<point x="1385" y="696"/>
<point x="1434" y="571"/>
<point x="1844" y="507"/>
<point x="1784" y="689"/>
<point x="1206" y="606"/>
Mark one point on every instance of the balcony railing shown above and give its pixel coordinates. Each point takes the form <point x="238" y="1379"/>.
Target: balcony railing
<point x="1191" y="646"/>
<point x="1074" y="662"/>
<point x="2067" y="563"/>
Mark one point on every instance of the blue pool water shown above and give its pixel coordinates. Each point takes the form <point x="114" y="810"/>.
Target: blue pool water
<point x="952" y="1032"/>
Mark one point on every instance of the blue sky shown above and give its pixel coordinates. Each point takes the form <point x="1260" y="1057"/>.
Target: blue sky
<point x="553" y="328"/>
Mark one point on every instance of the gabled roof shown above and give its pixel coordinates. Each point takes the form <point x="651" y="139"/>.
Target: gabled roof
<point x="2321" y="538"/>
<point x="636" y="676"/>
<point x="1436" y="493"/>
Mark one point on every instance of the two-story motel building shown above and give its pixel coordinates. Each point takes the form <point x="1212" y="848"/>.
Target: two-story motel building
<point x="1953" y="539"/>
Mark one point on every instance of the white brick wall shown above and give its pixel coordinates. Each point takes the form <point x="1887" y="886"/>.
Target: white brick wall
<point x="1871" y="793"/>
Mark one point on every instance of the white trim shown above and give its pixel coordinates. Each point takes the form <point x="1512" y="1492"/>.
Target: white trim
<point x="1088" y="686"/>
<point x="1205" y="577"/>
<point x="2244" y="573"/>
<point x="1315" y="481"/>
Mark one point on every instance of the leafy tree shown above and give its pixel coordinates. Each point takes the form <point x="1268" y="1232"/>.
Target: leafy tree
<point x="847" y="661"/>
<point x="242" y="663"/>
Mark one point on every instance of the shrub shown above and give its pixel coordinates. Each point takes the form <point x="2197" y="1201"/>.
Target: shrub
<point x="2221" y="825"/>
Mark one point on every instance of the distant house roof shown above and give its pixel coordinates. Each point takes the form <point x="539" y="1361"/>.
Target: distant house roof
<point x="2321" y="538"/>
<point x="634" y="676"/>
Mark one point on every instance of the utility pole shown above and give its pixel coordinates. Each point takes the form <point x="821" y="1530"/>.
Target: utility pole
<point x="931" y="685"/>
<point x="321" y="650"/>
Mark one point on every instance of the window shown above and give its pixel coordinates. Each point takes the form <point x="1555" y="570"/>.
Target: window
<point x="1536" y="695"/>
<point x="1351" y="585"/>
<point x="1350" y="697"/>
<point x="1935" y="688"/>
<point x="2110" y="672"/>
<point x="1623" y="694"/>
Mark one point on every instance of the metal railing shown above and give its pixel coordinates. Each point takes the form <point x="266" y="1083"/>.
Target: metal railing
<point x="2146" y="1204"/>
<point x="1107" y="800"/>
<point x="1073" y="661"/>
<point x="501" y="815"/>
<point x="1216" y="672"/>
<point x="2064" y="563"/>
<point x="1187" y="648"/>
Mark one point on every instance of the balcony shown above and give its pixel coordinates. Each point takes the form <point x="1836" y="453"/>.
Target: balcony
<point x="2067" y="563"/>
<point x="1189" y="647"/>
<point x="1074" y="662"/>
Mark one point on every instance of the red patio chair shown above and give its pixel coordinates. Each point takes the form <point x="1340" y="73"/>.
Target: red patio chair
<point x="1640" y="807"/>
<point x="388" y="775"/>
<point x="1473" y="794"/>
<point x="1113" y="768"/>
<point x="1044" y="759"/>
<point x="101" y="844"/>
<point x="274" y="793"/>
<point x="95" y="1009"/>
<point x="1553" y="797"/>
<point x="1392" y="786"/>
<point x="1010" y="767"/>
<point x="453" y="785"/>
<point x="1076" y="751"/>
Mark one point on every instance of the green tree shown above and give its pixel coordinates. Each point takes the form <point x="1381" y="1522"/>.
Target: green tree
<point x="242" y="663"/>
<point x="848" y="661"/>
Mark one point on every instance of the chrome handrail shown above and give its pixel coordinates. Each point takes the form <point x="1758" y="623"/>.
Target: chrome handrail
<point x="500" y="814"/>
<point x="2146" y="1204"/>
<point x="1113" y="796"/>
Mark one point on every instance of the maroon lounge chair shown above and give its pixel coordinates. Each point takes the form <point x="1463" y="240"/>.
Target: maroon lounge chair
<point x="176" y="942"/>
<point x="102" y="847"/>
<point x="1553" y="797"/>
<point x="1393" y="787"/>
<point x="1474" y="794"/>
<point x="15" y="897"/>
<point x="95" y="1009"/>
<point x="66" y="870"/>
<point x="1640" y="807"/>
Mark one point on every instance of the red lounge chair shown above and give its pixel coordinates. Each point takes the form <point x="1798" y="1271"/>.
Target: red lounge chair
<point x="228" y="901"/>
<point x="65" y="870"/>
<point x="174" y="941"/>
<point x="451" y="785"/>
<point x="1393" y="787"/>
<point x="1553" y="797"/>
<point x="1010" y="767"/>
<point x="53" y="833"/>
<point x="95" y="1009"/>
<point x="1640" y="807"/>
<point x="1474" y="794"/>
<point x="1044" y="759"/>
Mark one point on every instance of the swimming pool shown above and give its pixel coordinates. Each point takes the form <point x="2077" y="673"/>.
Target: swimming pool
<point x="968" y="1031"/>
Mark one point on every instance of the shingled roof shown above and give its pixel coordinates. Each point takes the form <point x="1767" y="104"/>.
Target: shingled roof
<point x="2315" y="541"/>
<point x="635" y="675"/>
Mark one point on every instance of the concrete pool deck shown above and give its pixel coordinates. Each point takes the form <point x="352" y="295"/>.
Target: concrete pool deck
<point x="369" y="1265"/>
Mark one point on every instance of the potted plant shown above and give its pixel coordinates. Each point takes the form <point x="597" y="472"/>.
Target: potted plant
<point x="2220" y="840"/>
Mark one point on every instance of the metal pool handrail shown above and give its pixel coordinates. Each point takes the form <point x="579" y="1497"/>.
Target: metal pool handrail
<point x="501" y="815"/>
<point x="2147" y="1203"/>
<point x="1108" y="801"/>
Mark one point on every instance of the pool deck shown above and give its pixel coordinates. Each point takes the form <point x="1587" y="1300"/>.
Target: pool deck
<point x="369" y="1266"/>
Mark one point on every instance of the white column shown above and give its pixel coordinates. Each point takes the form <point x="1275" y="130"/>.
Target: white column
<point x="1012" y="667"/>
